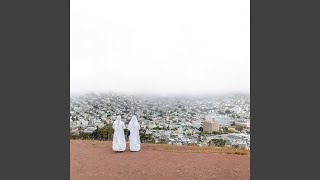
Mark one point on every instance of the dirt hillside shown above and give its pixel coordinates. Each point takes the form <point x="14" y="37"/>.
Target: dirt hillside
<point x="95" y="160"/>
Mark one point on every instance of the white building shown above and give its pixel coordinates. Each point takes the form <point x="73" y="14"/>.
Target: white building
<point x="209" y="125"/>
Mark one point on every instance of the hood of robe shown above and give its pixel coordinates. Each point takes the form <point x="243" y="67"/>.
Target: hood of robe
<point x="117" y="122"/>
<point x="133" y="122"/>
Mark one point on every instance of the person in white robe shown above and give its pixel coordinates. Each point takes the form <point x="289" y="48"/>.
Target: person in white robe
<point x="119" y="141"/>
<point x="134" y="136"/>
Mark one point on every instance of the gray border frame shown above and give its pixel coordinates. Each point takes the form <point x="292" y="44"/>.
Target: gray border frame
<point x="34" y="72"/>
<point x="284" y="89"/>
<point x="35" y="89"/>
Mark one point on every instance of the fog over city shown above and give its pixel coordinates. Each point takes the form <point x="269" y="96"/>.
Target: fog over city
<point x="165" y="47"/>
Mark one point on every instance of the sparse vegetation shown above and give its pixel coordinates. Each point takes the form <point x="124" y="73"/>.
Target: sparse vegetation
<point x="146" y="138"/>
<point x="192" y="144"/>
<point x="239" y="128"/>
<point x="158" y="128"/>
<point x="104" y="133"/>
<point x="81" y="135"/>
<point x="217" y="142"/>
<point x="225" y="130"/>
<point x="162" y="141"/>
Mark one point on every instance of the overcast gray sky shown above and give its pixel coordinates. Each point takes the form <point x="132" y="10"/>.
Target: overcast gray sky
<point x="165" y="47"/>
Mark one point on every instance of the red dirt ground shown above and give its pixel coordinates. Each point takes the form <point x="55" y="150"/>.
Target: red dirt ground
<point x="95" y="160"/>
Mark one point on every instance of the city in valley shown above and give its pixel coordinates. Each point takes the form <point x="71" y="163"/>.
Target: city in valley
<point x="203" y="121"/>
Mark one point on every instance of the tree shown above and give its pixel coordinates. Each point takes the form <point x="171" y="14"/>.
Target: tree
<point x="142" y="135"/>
<point x="104" y="133"/>
<point x="83" y="135"/>
<point x="225" y="130"/>
<point x="146" y="138"/>
<point x="239" y="128"/>
<point x="217" y="142"/>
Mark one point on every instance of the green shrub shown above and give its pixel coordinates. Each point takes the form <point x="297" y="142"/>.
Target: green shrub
<point x="104" y="133"/>
<point x="217" y="142"/>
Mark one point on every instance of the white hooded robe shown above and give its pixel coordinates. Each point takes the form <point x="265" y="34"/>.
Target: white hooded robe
<point x="119" y="141"/>
<point x="134" y="137"/>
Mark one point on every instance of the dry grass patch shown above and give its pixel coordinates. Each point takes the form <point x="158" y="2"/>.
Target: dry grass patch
<point x="194" y="149"/>
<point x="170" y="148"/>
